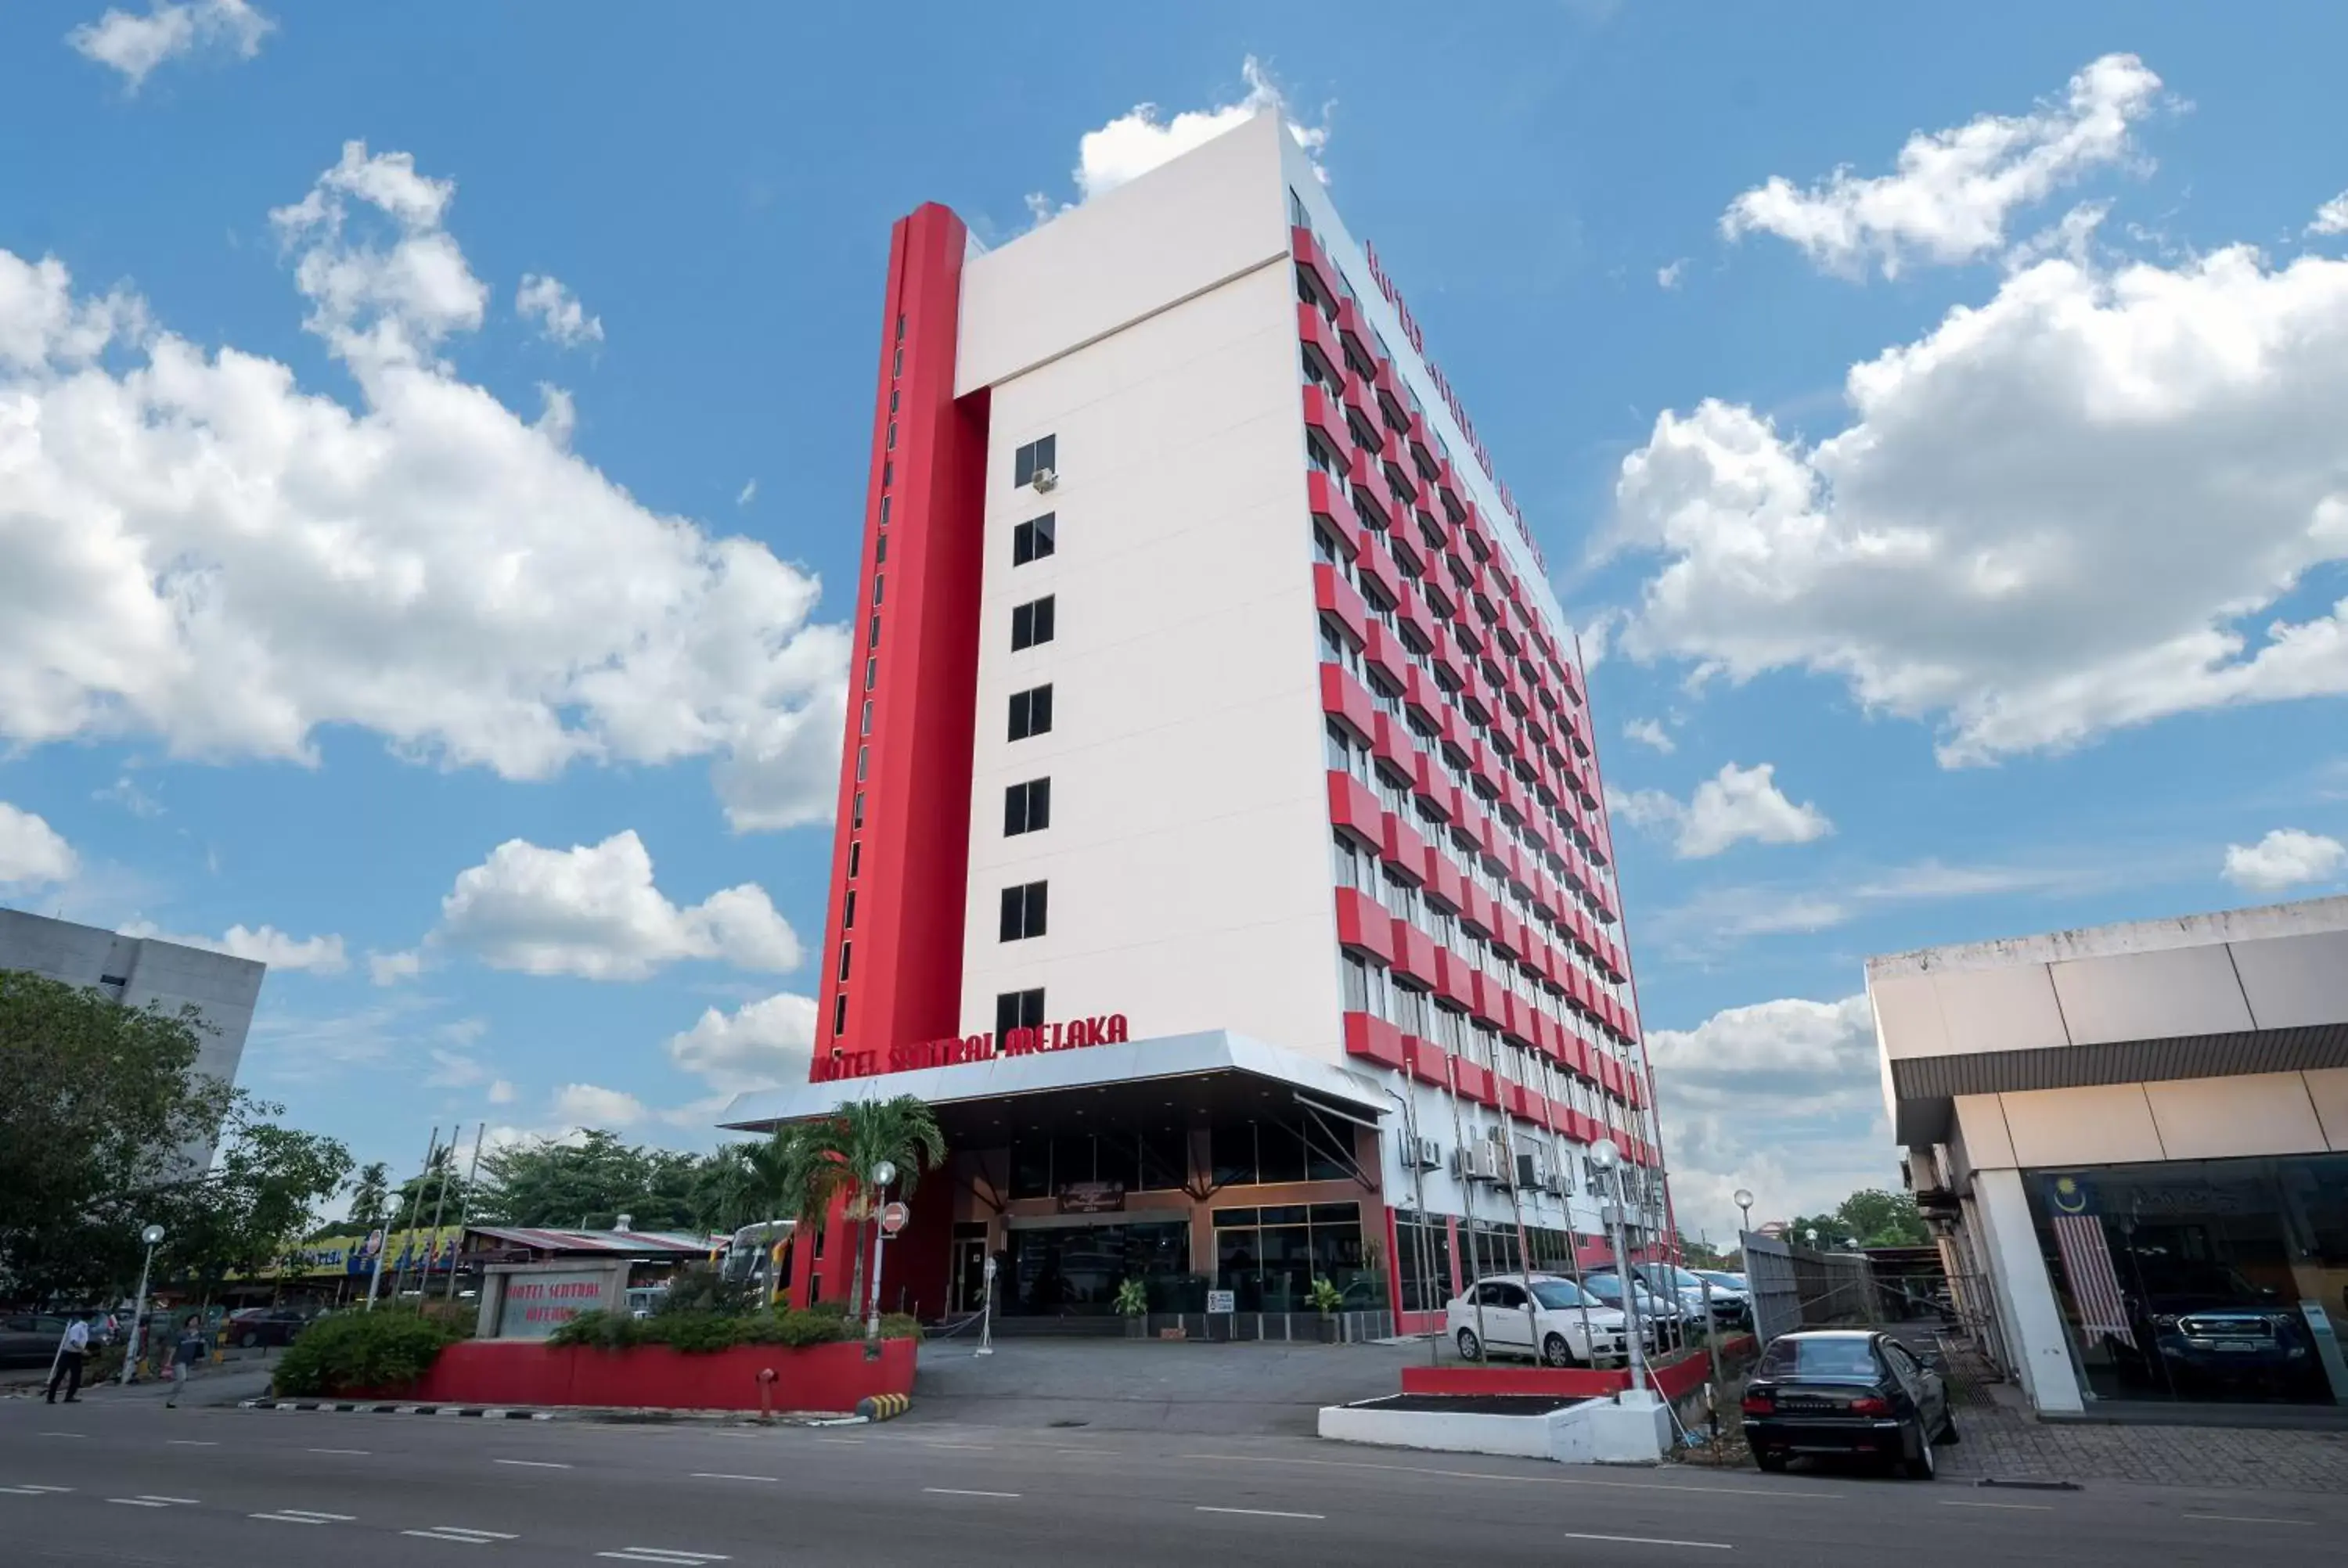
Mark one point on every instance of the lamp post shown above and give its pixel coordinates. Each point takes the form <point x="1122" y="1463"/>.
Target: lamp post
<point x="1743" y="1198"/>
<point x="883" y="1173"/>
<point x="153" y="1236"/>
<point x="1606" y="1158"/>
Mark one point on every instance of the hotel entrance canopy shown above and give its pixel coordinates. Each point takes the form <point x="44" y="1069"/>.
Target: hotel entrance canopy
<point x="1214" y="1075"/>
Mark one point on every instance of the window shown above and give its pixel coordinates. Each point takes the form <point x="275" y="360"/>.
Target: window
<point x="883" y="551"/>
<point x="1031" y="623"/>
<point x="892" y="437"/>
<point x="856" y="818"/>
<point x="1034" y="539"/>
<point x="839" y="1028"/>
<point x="848" y="911"/>
<point x="1022" y="912"/>
<point x="878" y="582"/>
<point x="1031" y="713"/>
<point x="863" y="755"/>
<point x="871" y="672"/>
<point x="1017" y="1010"/>
<point x="1027" y="807"/>
<point x="865" y="724"/>
<point x="1039" y="455"/>
<point x="855" y="856"/>
<point x="873" y="640"/>
<point x="844" y="950"/>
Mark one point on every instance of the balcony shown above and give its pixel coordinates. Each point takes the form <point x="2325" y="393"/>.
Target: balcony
<point x="1364" y="924"/>
<point x="1322" y="414"/>
<point x="1444" y="883"/>
<point x="1427" y="1061"/>
<point x="1352" y="334"/>
<point x="1415" y="954"/>
<point x="1355" y="807"/>
<point x="1306" y="246"/>
<point x="1457" y="983"/>
<point x="1313" y="332"/>
<point x="1392" y="745"/>
<point x="1377" y="567"/>
<point x="1370" y="489"/>
<point x="1348" y="699"/>
<point x="1404" y="850"/>
<point x="1373" y="1040"/>
<point x="1428" y="783"/>
<point x="1337" y="596"/>
<point x="1475" y="1082"/>
<point x="1327" y="500"/>
<point x="1475" y="907"/>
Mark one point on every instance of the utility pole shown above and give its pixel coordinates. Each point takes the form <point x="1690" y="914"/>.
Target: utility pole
<point x="375" y="1275"/>
<point x="465" y="1209"/>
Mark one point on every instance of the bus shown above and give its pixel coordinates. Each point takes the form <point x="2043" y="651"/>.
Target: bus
<point x="762" y="1254"/>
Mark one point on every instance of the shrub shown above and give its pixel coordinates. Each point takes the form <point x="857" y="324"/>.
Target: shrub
<point x="695" y="1332"/>
<point x="362" y="1352"/>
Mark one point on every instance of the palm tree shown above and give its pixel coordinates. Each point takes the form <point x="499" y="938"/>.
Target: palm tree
<point x="819" y="1160"/>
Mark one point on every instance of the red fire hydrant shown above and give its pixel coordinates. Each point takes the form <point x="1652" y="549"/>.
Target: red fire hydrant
<point x="765" y="1393"/>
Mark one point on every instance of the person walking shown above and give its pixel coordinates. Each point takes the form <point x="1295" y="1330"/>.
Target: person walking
<point x="185" y="1358"/>
<point x="70" y="1351"/>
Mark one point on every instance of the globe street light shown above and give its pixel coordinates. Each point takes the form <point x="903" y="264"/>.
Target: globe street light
<point x="153" y="1236"/>
<point x="1743" y="1198"/>
<point x="1606" y="1159"/>
<point x="883" y="1173"/>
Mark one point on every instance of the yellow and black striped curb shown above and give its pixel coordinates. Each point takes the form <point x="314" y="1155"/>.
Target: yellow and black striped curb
<point x="883" y="1407"/>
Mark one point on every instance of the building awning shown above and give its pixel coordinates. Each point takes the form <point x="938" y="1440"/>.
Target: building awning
<point x="1214" y="1073"/>
<point x="635" y="1243"/>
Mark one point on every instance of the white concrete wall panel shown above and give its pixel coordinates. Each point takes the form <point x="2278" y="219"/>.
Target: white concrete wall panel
<point x="1908" y="1021"/>
<point x="2294" y="982"/>
<point x="2327" y="1090"/>
<point x="2250" y="1114"/>
<point x="2151" y="996"/>
<point x="2106" y="1124"/>
<point x="1188" y="853"/>
<point x="1997" y="1009"/>
<point x="1982" y="1130"/>
<point x="1207" y="217"/>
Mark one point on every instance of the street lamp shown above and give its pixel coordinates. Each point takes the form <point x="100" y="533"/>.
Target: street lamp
<point x="153" y="1236"/>
<point x="1812" y="1236"/>
<point x="883" y="1173"/>
<point x="1606" y="1159"/>
<point x="1743" y="1198"/>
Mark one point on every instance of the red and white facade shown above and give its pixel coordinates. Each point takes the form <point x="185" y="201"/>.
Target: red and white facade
<point x="1323" y="836"/>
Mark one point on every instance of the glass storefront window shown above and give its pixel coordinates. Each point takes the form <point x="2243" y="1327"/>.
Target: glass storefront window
<point x="1269" y="1258"/>
<point x="2200" y="1280"/>
<point x="1075" y="1270"/>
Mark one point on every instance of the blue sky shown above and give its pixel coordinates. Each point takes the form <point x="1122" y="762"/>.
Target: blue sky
<point x="1989" y="495"/>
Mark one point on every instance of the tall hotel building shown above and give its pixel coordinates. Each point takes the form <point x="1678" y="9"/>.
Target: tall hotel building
<point x="1220" y="847"/>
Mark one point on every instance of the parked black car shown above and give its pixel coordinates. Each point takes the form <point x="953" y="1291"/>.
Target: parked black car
<point x="257" y="1326"/>
<point x="30" y="1339"/>
<point x="1846" y="1391"/>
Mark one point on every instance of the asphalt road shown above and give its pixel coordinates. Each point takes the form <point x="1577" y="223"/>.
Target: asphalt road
<point x="130" y="1482"/>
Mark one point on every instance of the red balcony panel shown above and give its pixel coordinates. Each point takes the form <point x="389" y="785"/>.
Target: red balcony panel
<point x="1491" y="1001"/>
<point x="1518" y="1027"/>
<point x="1507" y="931"/>
<point x="1476" y="907"/>
<point x="1561" y="1117"/>
<point x="1457" y="984"/>
<point x="1322" y="414"/>
<point x="1388" y="382"/>
<point x="1337" y="596"/>
<point x="1349" y="324"/>
<point x="1353" y="806"/>
<point x="1306" y="246"/>
<point x="1479" y="823"/>
<point x="1348" y="699"/>
<point x="1477" y="531"/>
<point x="1403" y="848"/>
<point x="1444" y="883"/>
<point x="1415" y="954"/>
<point x="1364" y="923"/>
<point x="1427" y="783"/>
<point x="1428" y="1062"/>
<point x="1632" y="1090"/>
<point x="1475" y="1082"/>
<point x="1313" y="329"/>
<point x="1373" y="1040"/>
<point x="1391" y="742"/>
<point x="1419" y="691"/>
<point x="1410" y="612"/>
<point x="1325" y="498"/>
<point x="1409" y="552"/>
<point x="1544" y="888"/>
<point x="1588" y="1129"/>
<point x="1368" y="483"/>
<point x="1516" y="1099"/>
<point x="1377" y="567"/>
<point x="1382" y="651"/>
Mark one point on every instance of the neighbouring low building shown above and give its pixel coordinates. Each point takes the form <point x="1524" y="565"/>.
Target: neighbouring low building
<point x="2133" y="1142"/>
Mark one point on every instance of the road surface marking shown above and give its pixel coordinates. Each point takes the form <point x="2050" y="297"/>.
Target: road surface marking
<point x="933" y="1443"/>
<point x="64" y="1434"/>
<point x="535" y="1463"/>
<point x="1107" y="1453"/>
<point x="663" y="1554"/>
<point x="721" y="1475"/>
<point x="962" y="1492"/>
<point x="458" y="1533"/>
<point x="31" y="1489"/>
<point x="361" y="1453"/>
<point x="302" y="1516"/>
<point x="2023" y="1507"/>
<point x="1533" y="1479"/>
<point x="1653" y="1540"/>
<point x="138" y="1503"/>
<point x="2249" y="1518"/>
<point x="190" y="1443"/>
<point x="839" y="1440"/>
<point x="1260" y="1512"/>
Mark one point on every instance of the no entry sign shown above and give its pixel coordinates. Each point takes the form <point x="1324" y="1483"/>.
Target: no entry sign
<point x="892" y="1219"/>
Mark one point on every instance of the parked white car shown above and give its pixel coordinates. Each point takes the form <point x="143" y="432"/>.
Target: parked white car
<point x="1566" y="1326"/>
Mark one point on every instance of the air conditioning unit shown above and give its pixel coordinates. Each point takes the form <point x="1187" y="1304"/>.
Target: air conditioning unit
<point x="1463" y="1163"/>
<point x="1044" y="480"/>
<point x="1484" y="1163"/>
<point x="1557" y="1186"/>
<point x="1529" y="1171"/>
<point x="1423" y="1154"/>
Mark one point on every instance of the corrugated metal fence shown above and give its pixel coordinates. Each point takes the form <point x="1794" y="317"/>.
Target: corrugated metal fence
<point x="1795" y="1287"/>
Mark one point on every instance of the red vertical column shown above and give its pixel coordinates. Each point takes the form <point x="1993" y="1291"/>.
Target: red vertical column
<point x="892" y="939"/>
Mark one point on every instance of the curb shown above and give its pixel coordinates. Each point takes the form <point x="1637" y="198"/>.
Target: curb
<point x="883" y="1407"/>
<point x="488" y="1412"/>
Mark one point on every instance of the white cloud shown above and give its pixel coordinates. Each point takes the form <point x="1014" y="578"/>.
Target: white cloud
<point x="501" y="1092"/>
<point x="2286" y="857"/>
<point x="1668" y="274"/>
<point x="390" y="969"/>
<point x="136" y="44"/>
<point x="591" y="1105"/>
<point x="2075" y="507"/>
<point x="317" y="955"/>
<point x="1781" y="1097"/>
<point x="560" y="315"/>
<point x="2332" y="218"/>
<point x="202" y="551"/>
<point x="1140" y="139"/>
<point x="747" y="494"/>
<point x="1649" y="732"/>
<point x="760" y="1045"/>
<point x="1955" y="190"/>
<point x="1732" y="806"/>
<point x="125" y="792"/>
<point x="592" y="911"/>
<point x="453" y="1070"/>
<point x="32" y="852"/>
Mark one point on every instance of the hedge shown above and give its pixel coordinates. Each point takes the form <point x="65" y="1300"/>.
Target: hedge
<point x="362" y="1352"/>
<point x="700" y="1331"/>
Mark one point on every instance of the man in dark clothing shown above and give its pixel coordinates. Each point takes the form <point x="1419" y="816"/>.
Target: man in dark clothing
<point x="70" y="1351"/>
<point x="185" y="1358"/>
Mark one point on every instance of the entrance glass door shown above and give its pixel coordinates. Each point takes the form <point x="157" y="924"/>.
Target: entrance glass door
<point x="1075" y="1270"/>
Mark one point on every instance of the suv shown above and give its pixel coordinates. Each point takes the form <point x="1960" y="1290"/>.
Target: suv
<point x="1567" y="1326"/>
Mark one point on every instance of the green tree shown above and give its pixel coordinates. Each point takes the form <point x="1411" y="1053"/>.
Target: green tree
<point x="589" y="1185"/>
<point x="252" y="1208"/>
<point x="823" y="1159"/>
<point x="370" y="1199"/>
<point x="1878" y="1218"/>
<point x="98" y="1104"/>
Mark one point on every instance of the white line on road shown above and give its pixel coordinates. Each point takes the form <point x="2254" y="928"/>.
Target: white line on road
<point x="64" y="1434"/>
<point x="663" y="1554"/>
<point x="933" y="1443"/>
<point x="1653" y="1540"/>
<point x="2019" y="1507"/>
<point x="302" y="1516"/>
<point x="959" y="1491"/>
<point x="360" y="1454"/>
<point x="535" y="1463"/>
<point x="1533" y="1479"/>
<point x="458" y="1533"/>
<point x="839" y="1440"/>
<point x="190" y="1443"/>
<point x="35" y="1490"/>
<point x="2249" y="1518"/>
<point x="721" y="1475"/>
<point x="1261" y="1513"/>
<point x="138" y="1503"/>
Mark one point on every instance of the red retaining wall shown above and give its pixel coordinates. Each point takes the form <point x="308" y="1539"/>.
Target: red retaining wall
<point x="524" y="1372"/>
<point x="1673" y="1381"/>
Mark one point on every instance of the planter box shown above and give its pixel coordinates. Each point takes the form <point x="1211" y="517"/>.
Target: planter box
<point x="828" y="1377"/>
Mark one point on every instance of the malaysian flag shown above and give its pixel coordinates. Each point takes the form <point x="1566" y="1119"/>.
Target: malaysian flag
<point x="2087" y="1262"/>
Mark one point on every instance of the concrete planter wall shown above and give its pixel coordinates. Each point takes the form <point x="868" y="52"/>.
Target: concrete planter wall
<point x="825" y="1378"/>
<point x="1595" y="1431"/>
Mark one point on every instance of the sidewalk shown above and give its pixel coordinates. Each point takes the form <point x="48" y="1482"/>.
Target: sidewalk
<point x="2003" y="1440"/>
<point x="226" y="1384"/>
